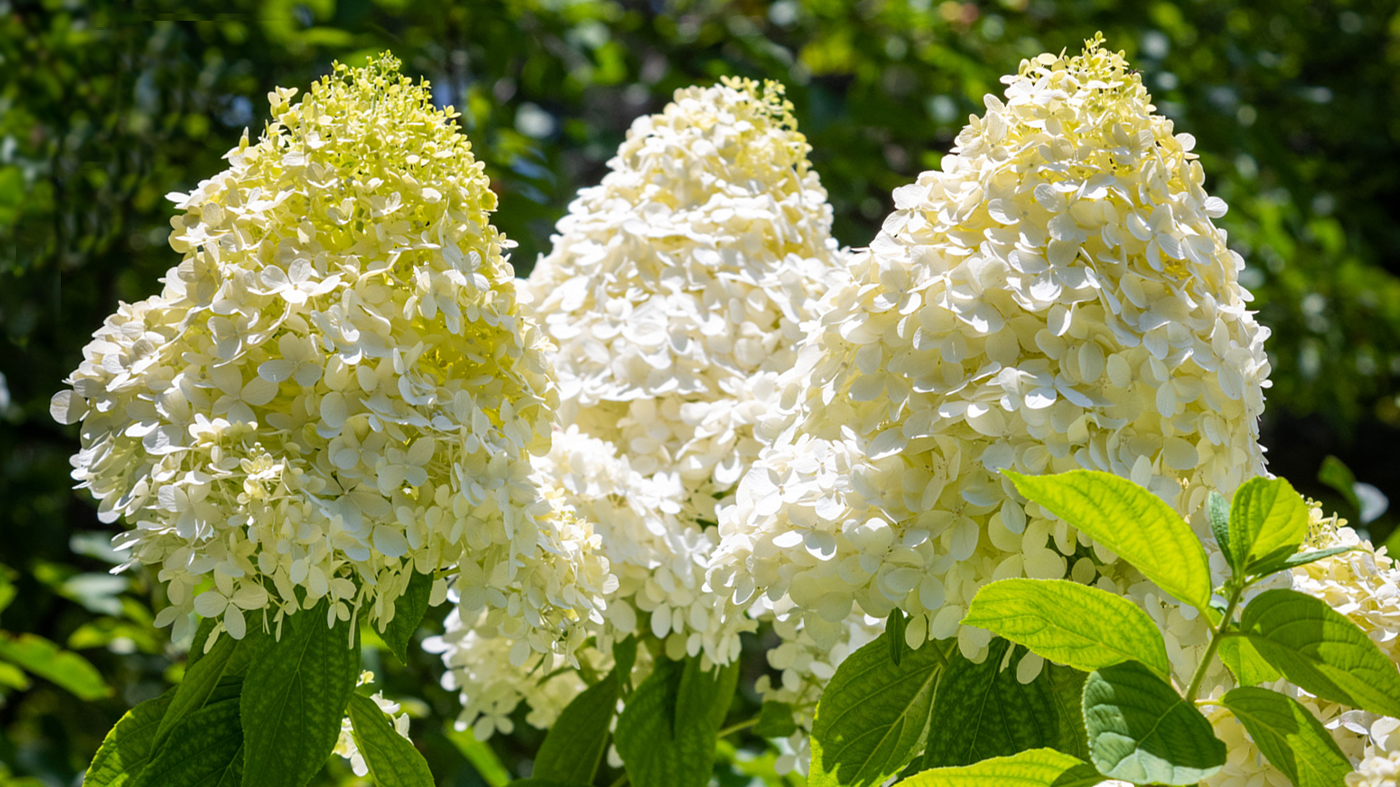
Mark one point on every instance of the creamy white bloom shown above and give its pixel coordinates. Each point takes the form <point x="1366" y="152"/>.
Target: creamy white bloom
<point x="336" y="387"/>
<point x="1056" y="297"/>
<point x="676" y="290"/>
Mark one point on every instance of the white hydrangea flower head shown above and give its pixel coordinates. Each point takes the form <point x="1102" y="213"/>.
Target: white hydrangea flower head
<point x="345" y="745"/>
<point x="659" y="557"/>
<point x="676" y="289"/>
<point x="1056" y="297"/>
<point x="336" y="387"/>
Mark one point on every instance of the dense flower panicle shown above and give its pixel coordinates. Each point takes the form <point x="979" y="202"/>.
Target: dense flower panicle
<point x="336" y="387"/>
<point x="676" y="289"/>
<point x="1056" y="297"/>
<point x="658" y="557"/>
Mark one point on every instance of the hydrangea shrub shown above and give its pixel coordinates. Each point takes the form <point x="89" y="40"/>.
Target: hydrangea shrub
<point x="700" y="417"/>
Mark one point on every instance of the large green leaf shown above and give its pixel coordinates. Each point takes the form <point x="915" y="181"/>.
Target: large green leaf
<point x="1320" y="650"/>
<point x="871" y="719"/>
<point x="1245" y="663"/>
<point x="294" y="699"/>
<point x="1069" y="623"/>
<point x="1067" y="690"/>
<point x="1266" y="516"/>
<point x="982" y="711"/>
<point x="1131" y="521"/>
<point x="1287" y="734"/>
<point x="1033" y="768"/>
<point x="666" y="734"/>
<point x="202" y="676"/>
<point x="1142" y="731"/>
<point x="391" y="759"/>
<point x="574" y="746"/>
<point x="204" y="750"/>
<point x="128" y="745"/>
<point x="409" y="610"/>
<point x="47" y="660"/>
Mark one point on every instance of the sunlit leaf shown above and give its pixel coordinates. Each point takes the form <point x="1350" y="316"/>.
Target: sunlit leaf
<point x="1289" y="736"/>
<point x="1132" y="522"/>
<point x="1321" y="651"/>
<point x="1069" y="623"/>
<point x="873" y="714"/>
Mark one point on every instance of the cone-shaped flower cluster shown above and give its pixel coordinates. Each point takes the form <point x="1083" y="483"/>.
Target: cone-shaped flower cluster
<point x="677" y="288"/>
<point x="336" y="387"/>
<point x="676" y="291"/>
<point x="1056" y="297"/>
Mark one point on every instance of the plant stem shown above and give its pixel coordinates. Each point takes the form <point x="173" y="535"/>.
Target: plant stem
<point x="743" y="725"/>
<point x="621" y="780"/>
<point x="1236" y="590"/>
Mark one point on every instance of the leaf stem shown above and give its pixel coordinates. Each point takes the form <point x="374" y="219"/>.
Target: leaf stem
<point x="1236" y="590"/>
<point x="743" y="725"/>
<point x="621" y="780"/>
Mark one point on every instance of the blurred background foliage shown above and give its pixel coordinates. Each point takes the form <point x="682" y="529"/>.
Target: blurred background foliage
<point x="105" y="106"/>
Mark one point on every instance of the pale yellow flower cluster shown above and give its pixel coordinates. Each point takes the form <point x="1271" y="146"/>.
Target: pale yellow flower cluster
<point x="336" y="387"/>
<point x="677" y="288"/>
<point x="676" y="291"/>
<point x="1056" y="297"/>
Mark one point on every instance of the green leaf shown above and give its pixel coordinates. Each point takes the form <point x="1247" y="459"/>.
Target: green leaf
<point x="1033" y="768"/>
<point x="294" y="699"/>
<point x="574" y="746"/>
<point x="1266" y="516"/>
<point x="983" y="710"/>
<point x="1289" y="736"/>
<point x="1132" y="522"/>
<point x="666" y="735"/>
<point x="1067" y="690"/>
<point x="1245" y="663"/>
<point x="895" y="624"/>
<point x="872" y="717"/>
<point x="1142" y="731"/>
<point x="43" y="658"/>
<point x="487" y="765"/>
<point x="7" y="586"/>
<point x="1337" y="475"/>
<point x="409" y="610"/>
<point x="201" y="678"/>
<point x="13" y="676"/>
<point x="204" y="750"/>
<point x="391" y="759"/>
<point x="201" y="636"/>
<point x="1218" y="511"/>
<point x="775" y="720"/>
<point x="1069" y="623"/>
<point x="624" y="657"/>
<point x="1293" y="560"/>
<point x="128" y="745"/>
<point x="1321" y="651"/>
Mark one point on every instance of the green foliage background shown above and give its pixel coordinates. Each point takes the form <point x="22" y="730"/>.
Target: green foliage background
<point x="106" y="106"/>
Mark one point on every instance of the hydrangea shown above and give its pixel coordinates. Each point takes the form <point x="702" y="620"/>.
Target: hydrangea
<point x="336" y="386"/>
<point x="659" y="559"/>
<point x="677" y="289"/>
<point x="1056" y="297"/>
